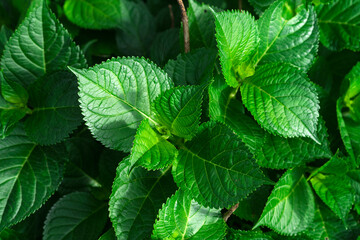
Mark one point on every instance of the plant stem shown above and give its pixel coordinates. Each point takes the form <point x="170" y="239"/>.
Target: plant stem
<point x="230" y="211"/>
<point x="185" y="23"/>
<point x="171" y="16"/>
<point x="240" y="5"/>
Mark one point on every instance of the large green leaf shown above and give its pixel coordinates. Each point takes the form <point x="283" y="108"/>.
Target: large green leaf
<point x="327" y="225"/>
<point x="283" y="101"/>
<point x="136" y="198"/>
<point x="55" y="108"/>
<point x="40" y="45"/>
<point x="339" y="24"/>
<point x="215" y="168"/>
<point x="335" y="191"/>
<point x="115" y="97"/>
<point x="179" y="109"/>
<point x="291" y="206"/>
<point x="183" y="218"/>
<point x="352" y="95"/>
<point x="293" y="41"/>
<point x="88" y="222"/>
<point x="30" y="175"/>
<point x="350" y="132"/>
<point x="137" y="29"/>
<point x="151" y="150"/>
<point x="201" y="25"/>
<point x="192" y="68"/>
<point x="237" y="39"/>
<point x="93" y="14"/>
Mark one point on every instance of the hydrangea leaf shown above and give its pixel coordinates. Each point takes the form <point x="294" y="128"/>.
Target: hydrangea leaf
<point x="201" y="24"/>
<point x="151" y="150"/>
<point x="246" y="235"/>
<point x="261" y="5"/>
<point x="116" y="96"/>
<point x="192" y="68"/>
<point x="351" y="98"/>
<point x="335" y="191"/>
<point x="30" y="175"/>
<point x="179" y="109"/>
<point x="87" y="223"/>
<point x="293" y="41"/>
<point x="93" y="14"/>
<point x="237" y="39"/>
<point x="283" y="101"/>
<point x="5" y="34"/>
<point x="338" y="165"/>
<point x="291" y="206"/>
<point x="339" y="24"/>
<point x="136" y="198"/>
<point x="350" y="132"/>
<point x="165" y="46"/>
<point x="39" y="45"/>
<point x="207" y="166"/>
<point x="183" y="218"/>
<point x="13" y="92"/>
<point x="55" y="108"/>
<point x="10" y="115"/>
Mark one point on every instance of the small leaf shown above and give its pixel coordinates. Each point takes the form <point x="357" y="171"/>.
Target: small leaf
<point x="137" y="29"/>
<point x="116" y="96"/>
<point x="215" y="167"/>
<point x="88" y="222"/>
<point x="338" y="165"/>
<point x="201" y="24"/>
<point x="293" y="41"/>
<point x="339" y="24"/>
<point x="290" y="207"/>
<point x="13" y="92"/>
<point x="56" y="111"/>
<point x="109" y="235"/>
<point x="283" y="101"/>
<point x="335" y="191"/>
<point x="183" y="218"/>
<point x="150" y="149"/>
<point x="93" y="14"/>
<point x="39" y="45"/>
<point x="136" y="198"/>
<point x="327" y="225"/>
<point x="350" y="132"/>
<point x="351" y="98"/>
<point x="5" y="34"/>
<point x="165" y="46"/>
<point x="179" y="109"/>
<point x="237" y="39"/>
<point x="30" y="173"/>
<point x="193" y="68"/>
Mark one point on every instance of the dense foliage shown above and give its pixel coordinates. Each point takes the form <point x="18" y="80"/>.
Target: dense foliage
<point x="252" y="134"/>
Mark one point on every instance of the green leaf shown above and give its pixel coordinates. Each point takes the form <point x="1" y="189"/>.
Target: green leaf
<point x="215" y="167"/>
<point x="293" y="41"/>
<point x="40" y="45"/>
<point x="136" y="198"/>
<point x="283" y="153"/>
<point x="9" y="234"/>
<point x="351" y="98"/>
<point x="183" y="218"/>
<point x="246" y="235"/>
<point x="115" y="97"/>
<point x="10" y="115"/>
<point x="355" y="183"/>
<point x="5" y="34"/>
<point x="109" y="235"/>
<point x="335" y="191"/>
<point x="290" y="207"/>
<point x="193" y="68"/>
<point x="327" y="225"/>
<point x="338" y="165"/>
<point x="137" y="29"/>
<point x="151" y="150"/>
<point x="87" y="223"/>
<point x="12" y="92"/>
<point x="56" y="111"/>
<point x="339" y="24"/>
<point x="283" y="101"/>
<point x="179" y="109"/>
<point x="93" y="14"/>
<point x="237" y="39"/>
<point x="251" y="207"/>
<point x="201" y="25"/>
<point x="350" y="132"/>
<point x="261" y="5"/>
<point x="30" y="175"/>
<point x="165" y="46"/>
